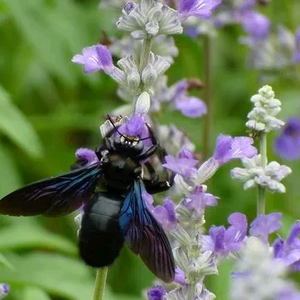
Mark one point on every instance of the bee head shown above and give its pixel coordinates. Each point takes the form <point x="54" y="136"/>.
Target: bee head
<point x="131" y="145"/>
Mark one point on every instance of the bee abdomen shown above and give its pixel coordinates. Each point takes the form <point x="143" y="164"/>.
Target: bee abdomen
<point x="100" y="237"/>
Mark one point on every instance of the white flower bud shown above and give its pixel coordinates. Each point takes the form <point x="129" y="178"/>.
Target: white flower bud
<point x="133" y="80"/>
<point x="240" y="174"/>
<point x="207" y="170"/>
<point x="142" y="105"/>
<point x="149" y="76"/>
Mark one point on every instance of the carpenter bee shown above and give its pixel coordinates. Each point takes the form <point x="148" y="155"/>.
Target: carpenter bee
<point x="112" y="193"/>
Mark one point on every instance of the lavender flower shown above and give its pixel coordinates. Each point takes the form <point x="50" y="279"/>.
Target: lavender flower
<point x="264" y="225"/>
<point x="149" y="19"/>
<point x="288" y="251"/>
<point x="86" y="156"/>
<point x="94" y="59"/>
<point x="296" y="55"/>
<point x="165" y="215"/>
<point x="228" y="148"/>
<point x="4" y="290"/>
<point x="198" y="8"/>
<point x="255" y="24"/>
<point x="222" y="241"/>
<point x="260" y="277"/>
<point x="157" y="292"/>
<point x="287" y="145"/>
<point x="197" y="201"/>
<point x="184" y="164"/>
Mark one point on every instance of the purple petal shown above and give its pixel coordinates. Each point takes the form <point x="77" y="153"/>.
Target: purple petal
<point x="181" y="165"/>
<point x="292" y="239"/>
<point x="278" y="248"/>
<point x="287" y="145"/>
<point x="4" y="289"/>
<point x="165" y="215"/>
<point x="264" y="225"/>
<point x="157" y="292"/>
<point x="217" y="234"/>
<point x="94" y="59"/>
<point x="229" y="148"/>
<point x="179" y="276"/>
<point x="256" y="25"/>
<point x="198" y="8"/>
<point x="87" y="155"/>
<point x="191" y="107"/>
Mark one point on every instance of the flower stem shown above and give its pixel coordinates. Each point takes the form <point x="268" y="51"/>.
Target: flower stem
<point x="100" y="283"/>
<point x="208" y="119"/>
<point x="145" y="53"/>
<point x="261" y="201"/>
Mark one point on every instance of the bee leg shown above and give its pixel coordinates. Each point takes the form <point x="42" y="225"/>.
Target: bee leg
<point x="148" y="153"/>
<point x="153" y="176"/>
<point x="158" y="187"/>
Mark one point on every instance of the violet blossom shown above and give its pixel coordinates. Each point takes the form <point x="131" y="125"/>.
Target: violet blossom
<point x="228" y="148"/>
<point x="288" y="251"/>
<point x="198" y="8"/>
<point x="184" y="164"/>
<point x="264" y="225"/>
<point x="287" y="145"/>
<point x="157" y="292"/>
<point x="222" y="241"/>
<point x="86" y="156"/>
<point x="94" y="59"/>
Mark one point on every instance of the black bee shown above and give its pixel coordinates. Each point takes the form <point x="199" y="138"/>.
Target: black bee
<point x="112" y="193"/>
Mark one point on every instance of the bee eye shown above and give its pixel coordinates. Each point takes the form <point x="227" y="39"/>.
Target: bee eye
<point x="134" y="143"/>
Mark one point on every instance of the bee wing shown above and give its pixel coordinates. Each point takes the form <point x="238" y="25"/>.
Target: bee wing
<point x="144" y="236"/>
<point x="53" y="197"/>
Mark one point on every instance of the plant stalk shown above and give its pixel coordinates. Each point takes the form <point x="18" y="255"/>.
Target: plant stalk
<point x="261" y="201"/>
<point x="100" y="283"/>
<point x="145" y="53"/>
<point x="208" y="118"/>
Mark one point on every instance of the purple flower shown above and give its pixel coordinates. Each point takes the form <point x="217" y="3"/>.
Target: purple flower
<point x="157" y="292"/>
<point x="222" y="240"/>
<point x="94" y="59"/>
<point x="86" y="156"/>
<point x="296" y="56"/>
<point x="264" y="225"/>
<point x="191" y="106"/>
<point x="184" y="164"/>
<point x="198" y="200"/>
<point x="287" y="145"/>
<point x="165" y="215"/>
<point x="289" y="251"/>
<point x="179" y="276"/>
<point x="288" y="294"/>
<point x="229" y="148"/>
<point x="256" y="25"/>
<point x="198" y="8"/>
<point x="4" y="289"/>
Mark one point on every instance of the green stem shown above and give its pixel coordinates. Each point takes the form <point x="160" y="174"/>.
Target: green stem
<point x="100" y="283"/>
<point x="145" y="53"/>
<point x="261" y="201"/>
<point x="208" y="119"/>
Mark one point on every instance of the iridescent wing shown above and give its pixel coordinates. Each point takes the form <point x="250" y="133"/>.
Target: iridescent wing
<point x="144" y="236"/>
<point x="53" y="197"/>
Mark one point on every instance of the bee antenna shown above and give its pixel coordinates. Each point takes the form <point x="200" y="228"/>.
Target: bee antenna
<point x="116" y="128"/>
<point x="145" y="138"/>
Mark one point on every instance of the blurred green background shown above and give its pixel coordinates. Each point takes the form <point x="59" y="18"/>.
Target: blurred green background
<point x="49" y="108"/>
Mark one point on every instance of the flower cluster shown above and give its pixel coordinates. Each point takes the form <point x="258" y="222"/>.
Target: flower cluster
<point x="197" y="255"/>
<point x="263" y="116"/>
<point x="255" y="174"/>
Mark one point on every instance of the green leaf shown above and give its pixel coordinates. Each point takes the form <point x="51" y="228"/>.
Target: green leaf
<point x="27" y="233"/>
<point x="14" y="124"/>
<point x="9" y="175"/>
<point x="58" y="276"/>
<point x="33" y="293"/>
<point x="4" y="261"/>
